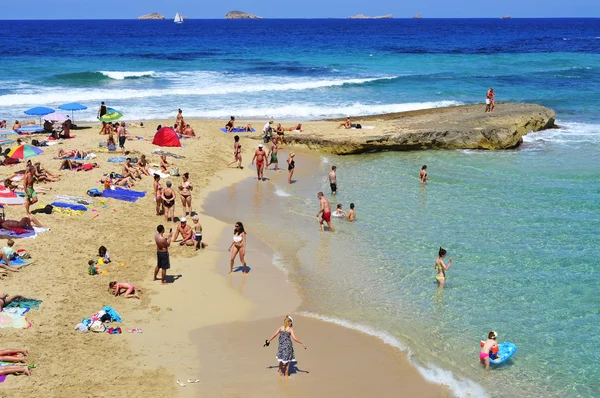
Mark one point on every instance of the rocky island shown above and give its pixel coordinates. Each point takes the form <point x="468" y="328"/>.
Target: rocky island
<point x="455" y="127"/>
<point x="417" y="16"/>
<point x="241" y="15"/>
<point x="154" y="15"/>
<point x="361" y="16"/>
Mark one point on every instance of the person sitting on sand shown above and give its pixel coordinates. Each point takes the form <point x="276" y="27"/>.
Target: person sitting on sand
<point x="66" y="130"/>
<point x="186" y="233"/>
<point x="230" y="126"/>
<point x="49" y="128"/>
<point x="129" y="170"/>
<point x="2" y="124"/>
<point x="106" y="128"/>
<point x="143" y="166"/>
<point x="339" y="212"/>
<point x="8" y="250"/>
<point x="42" y="174"/>
<point x="488" y="345"/>
<point x="351" y="214"/>
<point x="116" y="287"/>
<point x="285" y="348"/>
<point x="103" y="254"/>
<point x="188" y="131"/>
<point x="347" y="124"/>
<point x="164" y="164"/>
<point x="16" y="126"/>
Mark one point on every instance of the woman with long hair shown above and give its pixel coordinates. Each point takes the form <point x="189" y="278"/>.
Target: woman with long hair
<point x="185" y="191"/>
<point x="237" y="152"/>
<point x="285" y="348"/>
<point x="239" y="246"/>
<point x="441" y="268"/>
<point x="158" y="194"/>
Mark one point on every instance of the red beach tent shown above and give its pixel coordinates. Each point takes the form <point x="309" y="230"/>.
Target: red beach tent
<point x="166" y="136"/>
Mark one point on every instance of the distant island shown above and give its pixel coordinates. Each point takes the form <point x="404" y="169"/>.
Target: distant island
<point x="506" y="17"/>
<point x="154" y="15"/>
<point x="361" y="16"/>
<point x="418" y="16"/>
<point x="241" y="15"/>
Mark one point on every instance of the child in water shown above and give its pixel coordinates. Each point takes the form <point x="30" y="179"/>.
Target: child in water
<point x="489" y="347"/>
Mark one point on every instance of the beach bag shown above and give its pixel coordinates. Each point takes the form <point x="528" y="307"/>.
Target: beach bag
<point x="93" y="192"/>
<point x="174" y="171"/>
<point x="112" y="147"/>
<point x="358" y="126"/>
<point x="47" y="209"/>
<point x="97" y="327"/>
<point x="114" y="175"/>
<point x="35" y="143"/>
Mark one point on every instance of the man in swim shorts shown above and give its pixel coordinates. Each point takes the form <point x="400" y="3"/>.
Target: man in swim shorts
<point x="273" y="155"/>
<point x="261" y="157"/>
<point x="333" y="180"/>
<point x="162" y="253"/>
<point x="325" y="212"/>
<point x="30" y="193"/>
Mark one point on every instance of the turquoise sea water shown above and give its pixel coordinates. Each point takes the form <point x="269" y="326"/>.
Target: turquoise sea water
<point x="521" y="225"/>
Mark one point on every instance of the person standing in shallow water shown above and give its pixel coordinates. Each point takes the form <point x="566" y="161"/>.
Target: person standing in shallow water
<point x="423" y="174"/>
<point x="239" y="246"/>
<point x="333" y="180"/>
<point x="441" y="268"/>
<point x="102" y="110"/>
<point x="291" y="166"/>
<point x="325" y="212"/>
<point x="285" y="348"/>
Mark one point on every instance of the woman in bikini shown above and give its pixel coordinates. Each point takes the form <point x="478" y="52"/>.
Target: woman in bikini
<point x="143" y="165"/>
<point x="185" y="190"/>
<point x="239" y="246"/>
<point x="116" y="287"/>
<point x="291" y="166"/>
<point x="441" y="268"/>
<point x="5" y="299"/>
<point x="164" y="164"/>
<point x="423" y="174"/>
<point x="168" y="199"/>
<point x="158" y="195"/>
<point x="237" y="152"/>
<point x="106" y="128"/>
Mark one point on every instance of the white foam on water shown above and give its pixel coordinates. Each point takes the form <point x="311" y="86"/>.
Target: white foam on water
<point x="458" y="387"/>
<point x="325" y="160"/>
<point x="572" y="132"/>
<point x="281" y="192"/>
<point x="123" y="75"/>
<point x="279" y="263"/>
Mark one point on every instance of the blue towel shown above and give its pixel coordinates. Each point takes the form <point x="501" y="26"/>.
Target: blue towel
<point x="236" y="130"/>
<point x="113" y="314"/>
<point x="69" y="206"/>
<point x="22" y="302"/>
<point x="117" y="160"/>
<point x="16" y="261"/>
<point x="123" y="194"/>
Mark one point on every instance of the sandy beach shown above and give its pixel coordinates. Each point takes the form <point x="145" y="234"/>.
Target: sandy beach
<point x="202" y="325"/>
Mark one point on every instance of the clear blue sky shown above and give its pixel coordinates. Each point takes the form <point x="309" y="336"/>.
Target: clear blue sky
<point x="117" y="9"/>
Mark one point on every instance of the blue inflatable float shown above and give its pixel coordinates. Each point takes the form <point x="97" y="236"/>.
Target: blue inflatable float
<point x="505" y="351"/>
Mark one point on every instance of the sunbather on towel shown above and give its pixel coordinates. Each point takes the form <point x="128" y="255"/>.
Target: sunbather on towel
<point x="42" y="174"/>
<point x="77" y="166"/>
<point x="25" y="223"/>
<point x="15" y="370"/>
<point x="13" y="355"/>
<point x="5" y="299"/>
<point x="124" y="182"/>
<point x="116" y="287"/>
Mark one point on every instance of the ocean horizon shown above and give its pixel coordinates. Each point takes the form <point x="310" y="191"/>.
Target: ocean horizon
<point x="520" y="224"/>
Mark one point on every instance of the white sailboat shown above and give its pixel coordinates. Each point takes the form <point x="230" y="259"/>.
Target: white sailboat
<point x="178" y="18"/>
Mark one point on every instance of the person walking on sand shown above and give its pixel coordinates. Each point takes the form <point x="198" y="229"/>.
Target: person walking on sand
<point x="490" y="96"/>
<point x="291" y="166"/>
<point x="352" y="213"/>
<point x="423" y="174"/>
<point x="325" y="212"/>
<point x="261" y="158"/>
<point x="185" y="191"/>
<point x="30" y="194"/>
<point x="285" y="348"/>
<point x="162" y="253"/>
<point x="441" y="268"/>
<point x="239" y="246"/>
<point x="272" y="155"/>
<point x="488" y="345"/>
<point x="102" y="110"/>
<point x="333" y="180"/>
<point x="237" y="152"/>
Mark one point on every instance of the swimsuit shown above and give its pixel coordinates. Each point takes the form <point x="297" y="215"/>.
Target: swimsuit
<point x="291" y="165"/>
<point x="327" y="216"/>
<point x="168" y="203"/>
<point x="237" y="238"/>
<point x="163" y="260"/>
<point x="333" y="186"/>
<point x="439" y="277"/>
<point x="30" y="192"/>
<point x="483" y="355"/>
<point x="274" y="158"/>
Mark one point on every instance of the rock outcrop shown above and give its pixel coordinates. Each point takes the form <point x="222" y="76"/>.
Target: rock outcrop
<point x="241" y="15"/>
<point x="361" y="16"/>
<point x="457" y="127"/>
<point x="417" y="16"/>
<point x="154" y="15"/>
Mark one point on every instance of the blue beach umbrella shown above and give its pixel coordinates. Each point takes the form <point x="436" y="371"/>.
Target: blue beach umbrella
<point x="39" y="111"/>
<point x="72" y="106"/>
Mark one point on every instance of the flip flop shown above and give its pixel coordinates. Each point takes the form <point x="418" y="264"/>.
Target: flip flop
<point x="193" y="381"/>
<point x="180" y="383"/>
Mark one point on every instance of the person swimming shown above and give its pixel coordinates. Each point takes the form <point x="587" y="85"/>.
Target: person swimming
<point x="441" y="268"/>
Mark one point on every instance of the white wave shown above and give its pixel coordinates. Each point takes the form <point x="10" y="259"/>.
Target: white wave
<point x="571" y="132"/>
<point x="325" y="160"/>
<point x="123" y="75"/>
<point x="431" y="373"/>
<point x="278" y="262"/>
<point x="282" y="193"/>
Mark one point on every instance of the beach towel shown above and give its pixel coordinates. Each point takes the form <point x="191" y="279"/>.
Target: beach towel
<point x="113" y="314"/>
<point x="71" y="206"/>
<point x="73" y="199"/>
<point x="22" y="233"/>
<point x="71" y="136"/>
<point x="14" y="318"/>
<point x="123" y="194"/>
<point x="173" y="155"/>
<point x="160" y="173"/>
<point x="117" y="160"/>
<point x="22" y="302"/>
<point x="12" y="200"/>
<point x="18" y="263"/>
<point x="30" y="130"/>
<point x="363" y="127"/>
<point x="236" y="130"/>
<point x="16" y="177"/>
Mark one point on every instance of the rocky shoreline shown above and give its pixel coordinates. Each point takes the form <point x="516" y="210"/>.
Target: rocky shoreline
<point x="241" y="15"/>
<point x="456" y="127"/>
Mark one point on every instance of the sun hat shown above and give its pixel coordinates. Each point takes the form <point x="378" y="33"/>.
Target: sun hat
<point x="195" y="218"/>
<point x="260" y="145"/>
<point x="182" y="219"/>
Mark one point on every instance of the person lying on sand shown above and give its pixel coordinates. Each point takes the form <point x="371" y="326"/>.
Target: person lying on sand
<point x="25" y="223"/>
<point x="13" y="355"/>
<point x="124" y="182"/>
<point x="5" y="299"/>
<point x="77" y="166"/>
<point x="116" y="287"/>
<point x="14" y="370"/>
<point x="186" y="233"/>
